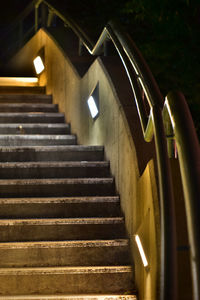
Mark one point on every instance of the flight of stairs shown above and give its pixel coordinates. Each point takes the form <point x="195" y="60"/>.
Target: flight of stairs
<point x="62" y="234"/>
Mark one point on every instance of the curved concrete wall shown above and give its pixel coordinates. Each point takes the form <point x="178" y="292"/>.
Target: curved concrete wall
<point x="118" y="129"/>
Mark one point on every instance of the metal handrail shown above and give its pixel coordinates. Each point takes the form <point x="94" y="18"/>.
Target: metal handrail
<point x="182" y="127"/>
<point x="141" y="79"/>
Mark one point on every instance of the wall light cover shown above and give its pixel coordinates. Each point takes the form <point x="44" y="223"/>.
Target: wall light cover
<point x="38" y="63"/>
<point x="92" y="107"/>
<point x="141" y="250"/>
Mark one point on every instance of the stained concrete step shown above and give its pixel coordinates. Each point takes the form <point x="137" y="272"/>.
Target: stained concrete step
<point x="22" y="89"/>
<point x="31" y="118"/>
<point x="25" y="230"/>
<point x="54" y="153"/>
<point x="73" y="297"/>
<point x="25" y="98"/>
<point x="65" y="253"/>
<point x="38" y="128"/>
<point x="59" y="207"/>
<point x="57" y="187"/>
<point x="70" y="280"/>
<point x="36" y="140"/>
<point x="28" y="107"/>
<point x="22" y="170"/>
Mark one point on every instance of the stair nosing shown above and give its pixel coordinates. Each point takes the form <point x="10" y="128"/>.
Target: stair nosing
<point x="67" y="270"/>
<point x="62" y="221"/>
<point x="46" y="200"/>
<point x="66" y="244"/>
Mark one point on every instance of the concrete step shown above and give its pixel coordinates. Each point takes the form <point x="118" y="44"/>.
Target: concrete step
<point x="61" y="229"/>
<point x="22" y="89"/>
<point x="19" y="81"/>
<point x="64" y="253"/>
<point x="25" y="98"/>
<point x="36" y="140"/>
<point x="66" y="280"/>
<point x="54" y="153"/>
<point x="59" y="207"/>
<point x="22" y="170"/>
<point x="31" y="118"/>
<point x="38" y="128"/>
<point x="28" y="107"/>
<point x="73" y="297"/>
<point x="57" y="187"/>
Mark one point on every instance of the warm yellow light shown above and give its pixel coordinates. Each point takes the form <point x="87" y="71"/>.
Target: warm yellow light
<point x="141" y="250"/>
<point x="38" y="63"/>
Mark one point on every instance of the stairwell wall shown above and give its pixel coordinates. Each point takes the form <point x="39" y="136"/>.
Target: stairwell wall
<point x="118" y="129"/>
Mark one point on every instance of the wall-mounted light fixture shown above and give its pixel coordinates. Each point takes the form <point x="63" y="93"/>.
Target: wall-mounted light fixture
<point x="141" y="250"/>
<point x="93" y="102"/>
<point x="39" y="61"/>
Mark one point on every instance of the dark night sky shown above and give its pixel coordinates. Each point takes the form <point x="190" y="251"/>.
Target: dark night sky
<point x="10" y="9"/>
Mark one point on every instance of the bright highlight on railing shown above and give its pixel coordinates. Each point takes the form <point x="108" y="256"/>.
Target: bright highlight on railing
<point x="38" y="64"/>
<point x="141" y="250"/>
<point x="92" y="107"/>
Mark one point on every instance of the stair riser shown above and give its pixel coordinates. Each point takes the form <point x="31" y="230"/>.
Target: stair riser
<point x="28" y="108"/>
<point x="21" y="140"/>
<point x="64" y="256"/>
<point x="57" y="190"/>
<point x="32" y="155"/>
<point x="31" y="118"/>
<point x="59" y="210"/>
<point x="46" y="99"/>
<point x="53" y="172"/>
<point x="22" y="90"/>
<point x="65" y="283"/>
<point x="61" y="232"/>
<point x="35" y="129"/>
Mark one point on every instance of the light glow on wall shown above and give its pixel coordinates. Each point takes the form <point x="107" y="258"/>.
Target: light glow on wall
<point x="92" y="107"/>
<point x="141" y="250"/>
<point x="38" y="64"/>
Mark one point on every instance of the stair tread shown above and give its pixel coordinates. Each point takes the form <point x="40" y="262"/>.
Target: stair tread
<point x="46" y="125"/>
<point x="53" y="148"/>
<point x="45" y="164"/>
<point x="75" y="297"/>
<point x="69" y="270"/>
<point x="61" y="221"/>
<point x="59" y="200"/>
<point x="61" y="244"/>
<point x="57" y="180"/>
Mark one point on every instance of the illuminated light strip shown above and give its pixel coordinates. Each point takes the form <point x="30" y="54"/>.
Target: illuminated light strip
<point x="38" y="63"/>
<point x="141" y="250"/>
<point x="92" y="106"/>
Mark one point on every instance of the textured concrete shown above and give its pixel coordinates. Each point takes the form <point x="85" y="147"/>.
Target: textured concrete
<point x="57" y="187"/>
<point x="25" y="98"/>
<point x="54" y="170"/>
<point x="31" y="118"/>
<point x="54" y="153"/>
<point x="24" y="230"/>
<point x="39" y="128"/>
<point x="22" y="90"/>
<point x="28" y="107"/>
<point x="72" y="280"/>
<point x="59" y="207"/>
<point x="65" y="253"/>
<point x="73" y="297"/>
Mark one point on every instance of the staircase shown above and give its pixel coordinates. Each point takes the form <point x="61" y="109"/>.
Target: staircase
<point x="62" y="232"/>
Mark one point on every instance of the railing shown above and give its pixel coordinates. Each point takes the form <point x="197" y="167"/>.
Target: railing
<point x="175" y="110"/>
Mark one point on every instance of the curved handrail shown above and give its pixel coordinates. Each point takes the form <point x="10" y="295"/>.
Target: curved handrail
<point x="189" y="159"/>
